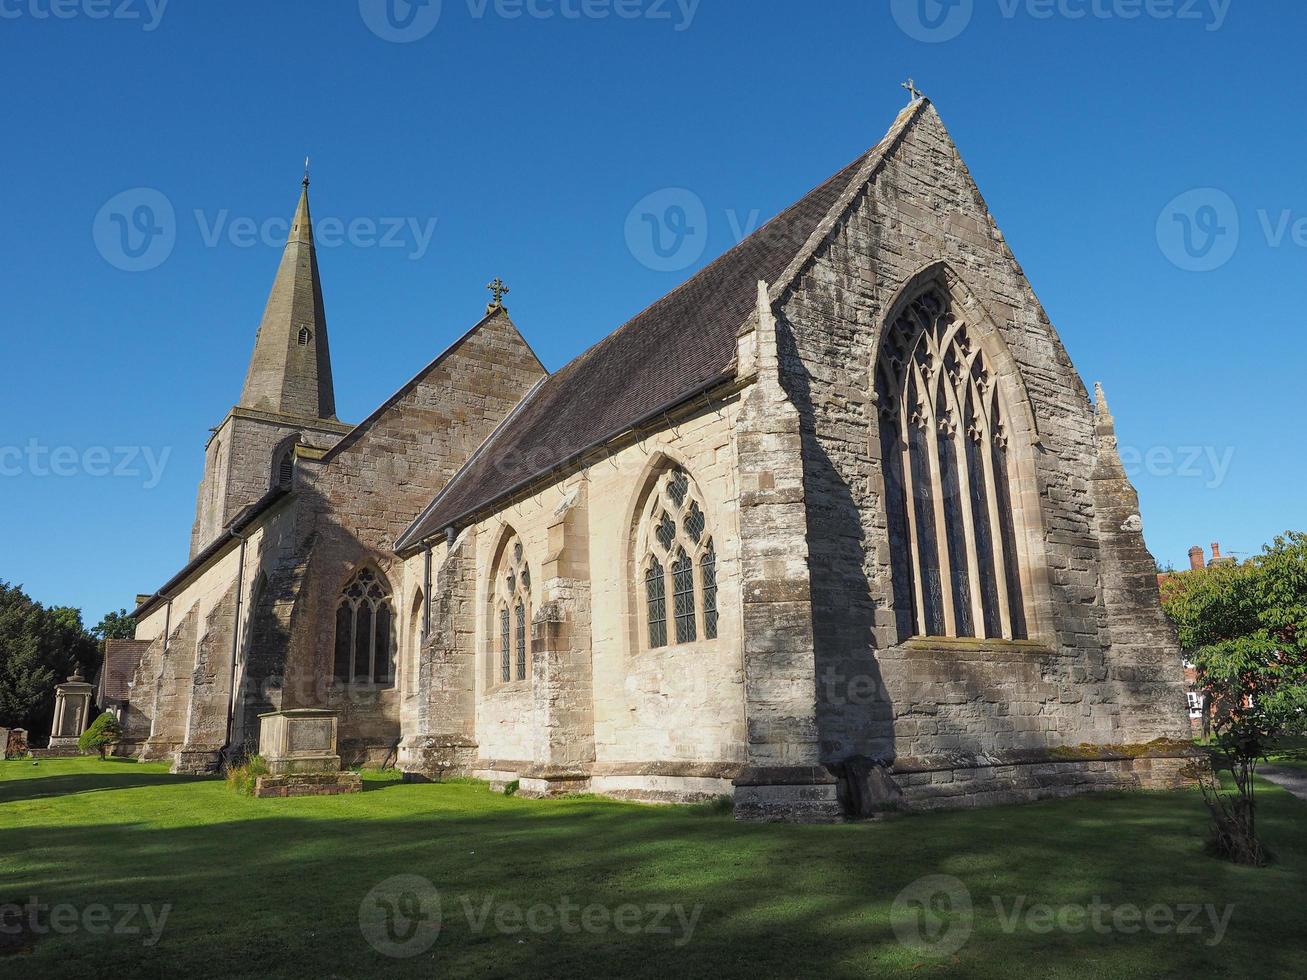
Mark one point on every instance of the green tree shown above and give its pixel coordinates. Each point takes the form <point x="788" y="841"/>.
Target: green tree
<point x="104" y="731"/>
<point x="1245" y="627"/>
<point x="39" y="647"/>
<point x="114" y="626"/>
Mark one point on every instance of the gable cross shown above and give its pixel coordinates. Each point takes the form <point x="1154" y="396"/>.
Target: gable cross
<point x="913" y="93"/>
<point x="498" y="290"/>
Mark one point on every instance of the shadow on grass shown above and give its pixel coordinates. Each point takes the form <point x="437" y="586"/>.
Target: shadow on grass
<point x="275" y="887"/>
<point x="43" y="785"/>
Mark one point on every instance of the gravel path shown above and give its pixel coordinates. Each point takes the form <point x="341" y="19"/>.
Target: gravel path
<point x="1294" y="780"/>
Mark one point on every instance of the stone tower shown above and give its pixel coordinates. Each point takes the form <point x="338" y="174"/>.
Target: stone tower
<point x="287" y="399"/>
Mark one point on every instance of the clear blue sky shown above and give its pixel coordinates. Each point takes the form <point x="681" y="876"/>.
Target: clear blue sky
<point x="529" y="139"/>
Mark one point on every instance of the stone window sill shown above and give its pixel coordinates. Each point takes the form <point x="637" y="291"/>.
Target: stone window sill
<point x="970" y="648"/>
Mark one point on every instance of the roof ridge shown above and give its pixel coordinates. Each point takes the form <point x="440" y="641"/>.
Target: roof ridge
<point x="679" y="346"/>
<point x="350" y="437"/>
<point x="872" y="161"/>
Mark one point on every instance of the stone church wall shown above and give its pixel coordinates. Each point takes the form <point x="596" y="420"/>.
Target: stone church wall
<point x="651" y="724"/>
<point x="357" y="500"/>
<point x="947" y="704"/>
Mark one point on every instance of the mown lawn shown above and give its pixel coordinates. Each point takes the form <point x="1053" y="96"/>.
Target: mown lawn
<point x="261" y="888"/>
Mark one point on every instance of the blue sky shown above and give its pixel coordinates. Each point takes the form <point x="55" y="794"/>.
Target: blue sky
<point x="512" y="139"/>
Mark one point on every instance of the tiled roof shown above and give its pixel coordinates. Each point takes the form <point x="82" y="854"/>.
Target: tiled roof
<point x="679" y="347"/>
<point x="121" y="658"/>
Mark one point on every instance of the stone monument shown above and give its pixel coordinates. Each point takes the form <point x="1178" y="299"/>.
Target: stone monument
<point x="299" y="746"/>
<point x="72" y="705"/>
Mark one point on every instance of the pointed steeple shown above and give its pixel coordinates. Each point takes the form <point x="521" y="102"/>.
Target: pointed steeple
<point x="290" y="370"/>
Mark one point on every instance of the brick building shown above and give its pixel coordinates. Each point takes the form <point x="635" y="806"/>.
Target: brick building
<point x="833" y="521"/>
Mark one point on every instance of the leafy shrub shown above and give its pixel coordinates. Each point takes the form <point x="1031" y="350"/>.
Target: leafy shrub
<point x="512" y="788"/>
<point x="104" y="731"/>
<point x="242" y="776"/>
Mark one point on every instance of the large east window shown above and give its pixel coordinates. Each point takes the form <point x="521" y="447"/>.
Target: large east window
<point x="949" y="475"/>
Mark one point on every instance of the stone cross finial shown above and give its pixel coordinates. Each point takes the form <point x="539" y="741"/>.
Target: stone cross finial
<point x="913" y="93"/>
<point x="498" y="290"/>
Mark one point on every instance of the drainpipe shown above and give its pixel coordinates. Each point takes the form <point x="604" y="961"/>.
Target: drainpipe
<point x="235" y="641"/>
<point x="426" y="593"/>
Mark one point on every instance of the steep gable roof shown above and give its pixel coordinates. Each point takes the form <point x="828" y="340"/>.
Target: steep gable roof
<point x="681" y="346"/>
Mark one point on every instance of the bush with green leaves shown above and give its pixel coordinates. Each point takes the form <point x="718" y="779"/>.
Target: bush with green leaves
<point x="1245" y="629"/>
<point x="104" y="732"/>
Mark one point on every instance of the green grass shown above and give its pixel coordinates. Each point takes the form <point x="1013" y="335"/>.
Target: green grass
<point x="272" y="887"/>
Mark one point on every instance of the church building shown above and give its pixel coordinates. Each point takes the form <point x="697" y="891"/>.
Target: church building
<point x="832" y="527"/>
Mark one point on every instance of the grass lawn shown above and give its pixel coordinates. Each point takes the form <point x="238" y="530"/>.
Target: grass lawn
<point x="263" y="888"/>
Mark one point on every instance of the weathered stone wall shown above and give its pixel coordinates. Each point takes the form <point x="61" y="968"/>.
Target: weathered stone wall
<point x="955" y="700"/>
<point x="646" y="723"/>
<point x="355" y="501"/>
<point x="239" y="460"/>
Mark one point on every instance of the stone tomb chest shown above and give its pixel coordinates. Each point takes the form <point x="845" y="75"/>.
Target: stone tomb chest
<point x="299" y="740"/>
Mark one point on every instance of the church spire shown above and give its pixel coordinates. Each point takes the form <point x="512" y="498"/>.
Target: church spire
<point x="290" y="370"/>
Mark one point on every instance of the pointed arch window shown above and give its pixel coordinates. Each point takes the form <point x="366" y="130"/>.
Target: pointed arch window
<point x="365" y="631"/>
<point x="679" y="561"/>
<point x="948" y="477"/>
<point x="511" y="603"/>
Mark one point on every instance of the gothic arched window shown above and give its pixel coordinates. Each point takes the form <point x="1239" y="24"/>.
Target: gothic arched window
<point x="678" y="561"/>
<point x="948" y="477"/>
<point x="511" y="600"/>
<point x="365" y="631"/>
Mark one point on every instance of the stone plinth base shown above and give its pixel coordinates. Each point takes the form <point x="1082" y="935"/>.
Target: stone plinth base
<point x="538" y="783"/>
<point x="799" y="794"/>
<point x="309" y="784"/>
<point x="431" y="758"/>
<point x="304" y="764"/>
<point x="157" y="750"/>
<point x="56" y="752"/>
<point x="63" y="743"/>
<point x="197" y="760"/>
<point x="995" y="785"/>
